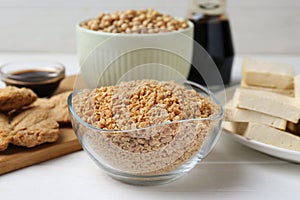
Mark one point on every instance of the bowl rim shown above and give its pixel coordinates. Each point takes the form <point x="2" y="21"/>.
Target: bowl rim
<point x="190" y="27"/>
<point x="59" y="69"/>
<point x="219" y="116"/>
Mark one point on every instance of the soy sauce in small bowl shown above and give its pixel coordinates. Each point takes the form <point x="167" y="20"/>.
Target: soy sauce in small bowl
<point x="42" y="77"/>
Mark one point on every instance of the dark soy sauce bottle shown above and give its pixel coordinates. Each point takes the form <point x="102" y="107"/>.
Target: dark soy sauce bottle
<point x="212" y="31"/>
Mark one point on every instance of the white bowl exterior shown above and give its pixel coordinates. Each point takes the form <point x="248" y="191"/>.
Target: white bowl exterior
<point x="105" y="57"/>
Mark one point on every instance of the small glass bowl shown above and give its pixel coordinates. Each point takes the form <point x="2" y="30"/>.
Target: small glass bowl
<point x="40" y="76"/>
<point x="193" y="140"/>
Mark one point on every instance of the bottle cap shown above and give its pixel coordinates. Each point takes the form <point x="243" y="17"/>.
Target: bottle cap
<point x="208" y="7"/>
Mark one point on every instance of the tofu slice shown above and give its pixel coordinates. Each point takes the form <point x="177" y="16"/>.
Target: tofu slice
<point x="297" y="87"/>
<point x="268" y="74"/>
<point x="287" y="92"/>
<point x="272" y="136"/>
<point x="269" y="103"/>
<point x="235" y="127"/>
<point x="242" y="115"/>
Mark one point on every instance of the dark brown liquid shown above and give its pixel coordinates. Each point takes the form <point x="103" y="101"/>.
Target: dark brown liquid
<point x="214" y="34"/>
<point x="42" y="82"/>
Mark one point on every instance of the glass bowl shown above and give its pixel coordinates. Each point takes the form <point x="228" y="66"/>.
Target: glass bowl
<point x="154" y="163"/>
<point x="43" y="77"/>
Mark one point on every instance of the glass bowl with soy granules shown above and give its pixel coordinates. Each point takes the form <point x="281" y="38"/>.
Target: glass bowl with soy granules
<point x="137" y="37"/>
<point x="146" y="132"/>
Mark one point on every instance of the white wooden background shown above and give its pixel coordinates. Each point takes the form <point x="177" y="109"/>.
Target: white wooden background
<point x="258" y="26"/>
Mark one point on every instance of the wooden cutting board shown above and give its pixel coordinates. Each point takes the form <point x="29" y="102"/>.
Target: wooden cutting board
<point x="19" y="157"/>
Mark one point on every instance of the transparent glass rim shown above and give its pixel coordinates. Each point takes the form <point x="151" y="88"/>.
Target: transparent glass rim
<point x="204" y="89"/>
<point x="58" y="67"/>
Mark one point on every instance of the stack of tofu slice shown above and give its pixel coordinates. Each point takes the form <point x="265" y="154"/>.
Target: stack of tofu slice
<point x="266" y="107"/>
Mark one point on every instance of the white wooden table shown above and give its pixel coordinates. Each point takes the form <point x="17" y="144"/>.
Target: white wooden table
<point x="231" y="171"/>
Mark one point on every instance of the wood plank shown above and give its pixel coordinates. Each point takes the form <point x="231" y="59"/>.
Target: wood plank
<point x="19" y="157"/>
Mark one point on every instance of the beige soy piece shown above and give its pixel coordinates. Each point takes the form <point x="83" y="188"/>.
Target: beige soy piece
<point x="272" y="136"/>
<point x="269" y="103"/>
<point x="243" y="115"/>
<point x="15" y="158"/>
<point x="268" y="74"/>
